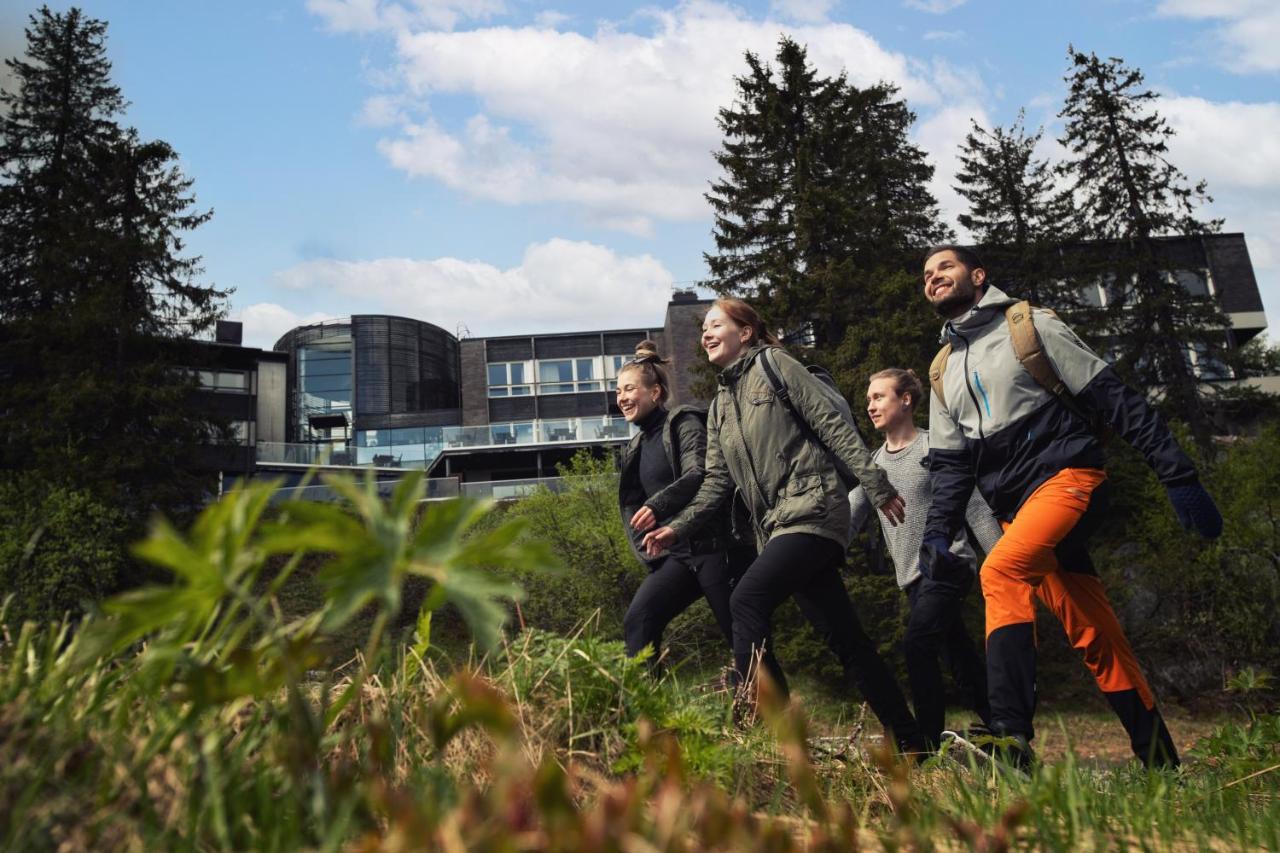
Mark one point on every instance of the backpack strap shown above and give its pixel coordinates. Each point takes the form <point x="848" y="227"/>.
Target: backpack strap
<point x="1029" y="349"/>
<point x="937" y="369"/>
<point x="784" y="396"/>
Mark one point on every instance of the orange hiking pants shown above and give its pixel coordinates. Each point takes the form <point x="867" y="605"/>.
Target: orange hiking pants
<point x="1042" y="555"/>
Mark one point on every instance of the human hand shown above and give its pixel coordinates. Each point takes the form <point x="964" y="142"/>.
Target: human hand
<point x="1195" y="509"/>
<point x="643" y="519"/>
<point x="895" y="509"/>
<point x="657" y="541"/>
<point x="936" y="558"/>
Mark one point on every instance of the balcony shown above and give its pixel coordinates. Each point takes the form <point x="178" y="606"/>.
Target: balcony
<point x="595" y="430"/>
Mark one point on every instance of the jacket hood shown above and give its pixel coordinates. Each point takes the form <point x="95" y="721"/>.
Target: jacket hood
<point x="993" y="300"/>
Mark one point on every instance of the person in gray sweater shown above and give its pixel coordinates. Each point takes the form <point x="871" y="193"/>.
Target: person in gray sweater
<point x="934" y="628"/>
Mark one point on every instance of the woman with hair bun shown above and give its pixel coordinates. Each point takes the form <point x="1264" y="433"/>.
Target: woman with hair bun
<point x="779" y="456"/>
<point x="934" y="627"/>
<point x="662" y="469"/>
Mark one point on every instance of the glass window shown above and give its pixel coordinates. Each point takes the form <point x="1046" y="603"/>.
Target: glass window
<point x="1194" y="282"/>
<point x="555" y="371"/>
<point x="509" y="379"/>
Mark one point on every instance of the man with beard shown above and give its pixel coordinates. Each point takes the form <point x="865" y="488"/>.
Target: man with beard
<point x="1035" y="458"/>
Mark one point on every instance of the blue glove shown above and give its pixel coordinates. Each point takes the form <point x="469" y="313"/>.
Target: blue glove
<point x="1195" y="509"/>
<point x="936" y="560"/>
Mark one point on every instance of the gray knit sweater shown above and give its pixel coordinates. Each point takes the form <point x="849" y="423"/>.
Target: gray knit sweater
<point x="909" y="474"/>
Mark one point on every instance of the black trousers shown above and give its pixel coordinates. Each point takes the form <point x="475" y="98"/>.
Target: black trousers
<point x="935" y="631"/>
<point x="808" y="567"/>
<point x="673" y="585"/>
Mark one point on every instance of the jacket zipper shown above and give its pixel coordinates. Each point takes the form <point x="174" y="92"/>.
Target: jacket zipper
<point x="755" y="477"/>
<point x="977" y="406"/>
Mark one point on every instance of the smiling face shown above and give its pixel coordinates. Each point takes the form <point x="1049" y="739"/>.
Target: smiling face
<point x="885" y="408"/>
<point x="635" y="399"/>
<point x="949" y="285"/>
<point x="722" y="338"/>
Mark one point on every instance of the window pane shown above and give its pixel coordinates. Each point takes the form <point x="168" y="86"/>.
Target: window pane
<point x="497" y="374"/>
<point x="521" y="390"/>
<point x="411" y="435"/>
<point x="517" y="373"/>
<point x="555" y="371"/>
<point x="1193" y="282"/>
<point x="497" y="392"/>
<point x="586" y="368"/>
<point x="565" y="388"/>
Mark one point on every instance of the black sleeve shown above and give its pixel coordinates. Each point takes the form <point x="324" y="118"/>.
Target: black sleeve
<point x="951" y="485"/>
<point x="691" y="444"/>
<point x="1137" y="422"/>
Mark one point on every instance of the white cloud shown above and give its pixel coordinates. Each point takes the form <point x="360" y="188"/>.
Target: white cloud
<point x="265" y="322"/>
<point x="805" y="11"/>
<point x="1232" y="145"/>
<point x="940" y="136"/>
<point x="559" y="285"/>
<point x="364" y="16"/>
<point x="1247" y="33"/>
<point x="619" y="123"/>
<point x="934" y="7"/>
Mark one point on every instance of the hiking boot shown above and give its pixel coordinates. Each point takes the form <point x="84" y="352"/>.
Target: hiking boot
<point x="1010" y="751"/>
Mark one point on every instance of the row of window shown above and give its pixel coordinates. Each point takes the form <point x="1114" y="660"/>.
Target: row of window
<point x="555" y="375"/>
<point x="1099" y="294"/>
<point x="228" y="381"/>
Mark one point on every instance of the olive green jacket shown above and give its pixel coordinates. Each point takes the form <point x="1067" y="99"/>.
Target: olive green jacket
<point x="787" y="480"/>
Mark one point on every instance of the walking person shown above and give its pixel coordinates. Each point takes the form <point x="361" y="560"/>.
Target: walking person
<point x="1015" y="392"/>
<point x="779" y="455"/>
<point x="935" y="628"/>
<point x="661" y="471"/>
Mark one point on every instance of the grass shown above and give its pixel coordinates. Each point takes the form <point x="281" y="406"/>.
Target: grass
<point x="200" y="715"/>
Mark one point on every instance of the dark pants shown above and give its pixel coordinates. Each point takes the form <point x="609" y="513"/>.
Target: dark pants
<point x="936" y="630"/>
<point x="808" y="567"/>
<point x="677" y="582"/>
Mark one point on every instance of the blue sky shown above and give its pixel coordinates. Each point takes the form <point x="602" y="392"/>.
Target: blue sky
<point x="511" y="166"/>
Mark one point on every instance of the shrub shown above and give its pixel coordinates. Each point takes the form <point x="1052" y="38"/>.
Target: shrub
<point x="60" y="548"/>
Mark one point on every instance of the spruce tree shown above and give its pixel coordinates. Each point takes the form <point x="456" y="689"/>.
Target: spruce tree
<point x="823" y="210"/>
<point x="97" y="301"/>
<point x="1021" y="220"/>
<point x="1129" y="194"/>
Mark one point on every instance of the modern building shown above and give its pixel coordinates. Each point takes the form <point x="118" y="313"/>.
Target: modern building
<point x="395" y="393"/>
<point x="243" y="387"/>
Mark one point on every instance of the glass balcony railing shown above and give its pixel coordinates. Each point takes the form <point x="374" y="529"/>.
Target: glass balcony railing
<point x="440" y="439"/>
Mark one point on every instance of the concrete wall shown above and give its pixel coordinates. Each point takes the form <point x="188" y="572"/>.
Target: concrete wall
<point x="272" y="400"/>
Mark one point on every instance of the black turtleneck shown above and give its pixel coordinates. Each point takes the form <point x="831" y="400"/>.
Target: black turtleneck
<point x="655" y="468"/>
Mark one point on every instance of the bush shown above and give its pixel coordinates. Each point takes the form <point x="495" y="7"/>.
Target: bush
<point x="581" y="525"/>
<point x="60" y="548"/>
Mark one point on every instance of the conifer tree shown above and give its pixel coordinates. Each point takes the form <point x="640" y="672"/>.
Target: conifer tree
<point x="1128" y="193"/>
<point x="1019" y="217"/>
<point x="823" y="203"/>
<point x="96" y="298"/>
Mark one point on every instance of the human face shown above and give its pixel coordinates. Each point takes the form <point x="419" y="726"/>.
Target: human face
<point x="950" y="286"/>
<point x="635" y="399"/>
<point x="723" y="339"/>
<point x="885" y="408"/>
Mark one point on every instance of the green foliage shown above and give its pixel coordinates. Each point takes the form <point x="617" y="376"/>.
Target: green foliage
<point x="823" y="196"/>
<point x="1195" y="607"/>
<point x="581" y="525"/>
<point x="186" y="717"/>
<point x="97" y="300"/>
<point x="60" y="548"/>
<point x="1127" y="191"/>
